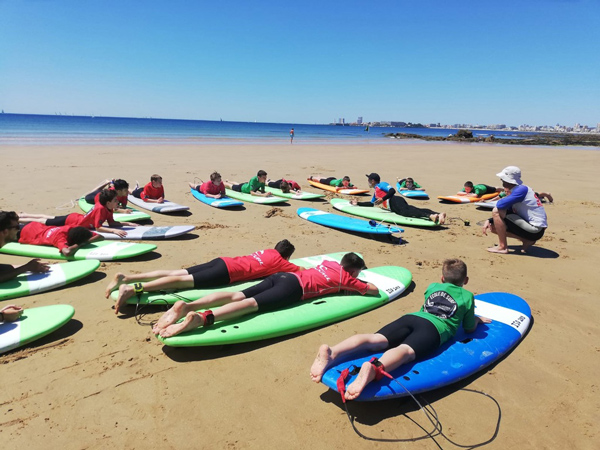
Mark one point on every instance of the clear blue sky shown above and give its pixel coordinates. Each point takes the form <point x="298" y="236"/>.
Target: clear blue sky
<point x="480" y="62"/>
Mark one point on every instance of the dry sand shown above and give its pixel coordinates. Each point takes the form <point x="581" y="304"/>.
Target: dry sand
<point x="105" y="381"/>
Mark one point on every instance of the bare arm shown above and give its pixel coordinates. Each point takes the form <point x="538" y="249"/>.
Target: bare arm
<point x="479" y="320"/>
<point x="8" y="272"/>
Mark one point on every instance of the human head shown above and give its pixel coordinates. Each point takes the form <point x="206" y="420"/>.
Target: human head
<point x="373" y="177"/>
<point x="262" y="175"/>
<point x="156" y="180"/>
<point x="454" y="271"/>
<point x="346" y="180"/>
<point x="285" y="187"/>
<point x="9" y="226"/>
<point x="511" y="175"/>
<point x="285" y="249"/>
<point x="468" y="186"/>
<point x="78" y="235"/>
<point x="409" y="182"/>
<point x="122" y="187"/>
<point x="215" y="177"/>
<point x="106" y="196"/>
<point x="352" y="263"/>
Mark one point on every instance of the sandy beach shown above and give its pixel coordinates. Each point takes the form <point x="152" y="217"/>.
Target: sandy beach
<point x="105" y="381"/>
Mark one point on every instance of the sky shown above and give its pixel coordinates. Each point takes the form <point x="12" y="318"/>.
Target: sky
<point x="533" y="62"/>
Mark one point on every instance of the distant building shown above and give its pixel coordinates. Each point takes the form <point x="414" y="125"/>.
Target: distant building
<point x="359" y="121"/>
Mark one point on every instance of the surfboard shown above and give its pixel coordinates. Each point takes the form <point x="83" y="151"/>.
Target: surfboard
<point x="35" y="323"/>
<point x="162" y="298"/>
<point x="302" y="195"/>
<point x="326" y="187"/>
<point x="460" y="357"/>
<point x="379" y="214"/>
<point x="162" y="208"/>
<point x="411" y="193"/>
<point x="135" y="215"/>
<point x="102" y="251"/>
<point x="59" y="274"/>
<point x="345" y="223"/>
<point x="465" y="199"/>
<point x="313" y="313"/>
<point x="254" y="198"/>
<point x="486" y="205"/>
<point x="150" y="233"/>
<point x="223" y="202"/>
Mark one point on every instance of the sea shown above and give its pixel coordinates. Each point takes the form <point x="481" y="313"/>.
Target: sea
<point x="33" y="129"/>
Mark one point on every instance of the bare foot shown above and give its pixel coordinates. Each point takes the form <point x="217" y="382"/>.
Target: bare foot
<point x="125" y="293"/>
<point x="114" y="283"/>
<point x="442" y="218"/>
<point x="503" y="251"/>
<point x="526" y="246"/>
<point x="176" y="312"/>
<point x="550" y="198"/>
<point x="434" y="218"/>
<point x="321" y="362"/>
<point x="365" y="376"/>
<point x="192" y="320"/>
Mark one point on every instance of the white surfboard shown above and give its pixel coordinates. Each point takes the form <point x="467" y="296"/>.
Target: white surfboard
<point x="165" y="207"/>
<point x="150" y="233"/>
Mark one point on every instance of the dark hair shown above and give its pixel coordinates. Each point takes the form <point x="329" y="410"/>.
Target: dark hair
<point x="120" y="185"/>
<point x="352" y="261"/>
<point x="469" y="184"/>
<point x="214" y="175"/>
<point x="285" y="249"/>
<point x="106" y="195"/>
<point x="454" y="271"/>
<point x="155" y="177"/>
<point x="7" y="218"/>
<point x="410" y="180"/>
<point x="78" y="235"/>
<point x="346" y="178"/>
<point x="261" y="173"/>
<point x="285" y="187"/>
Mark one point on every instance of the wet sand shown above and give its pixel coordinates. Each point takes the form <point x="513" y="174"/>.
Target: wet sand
<point x="106" y="381"/>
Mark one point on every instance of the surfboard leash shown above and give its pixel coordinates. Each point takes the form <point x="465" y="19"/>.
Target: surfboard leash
<point x="428" y="410"/>
<point x="139" y="315"/>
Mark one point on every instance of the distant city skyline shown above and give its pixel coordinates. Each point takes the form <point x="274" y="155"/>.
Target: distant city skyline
<point x="310" y="62"/>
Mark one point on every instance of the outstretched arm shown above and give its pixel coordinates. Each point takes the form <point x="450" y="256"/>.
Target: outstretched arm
<point x="8" y="272"/>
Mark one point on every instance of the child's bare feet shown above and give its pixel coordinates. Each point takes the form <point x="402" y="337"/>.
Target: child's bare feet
<point x="435" y="218"/>
<point x="192" y="320"/>
<point x="365" y="376"/>
<point x="125" y="293"/>
<point x="442" y="218"/>
<point x="321" y="362"/>
<point x="176" y="312"/>
<point x="114" y="283"/>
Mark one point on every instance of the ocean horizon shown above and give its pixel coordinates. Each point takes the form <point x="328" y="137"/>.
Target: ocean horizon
<point x="38" y="129"/>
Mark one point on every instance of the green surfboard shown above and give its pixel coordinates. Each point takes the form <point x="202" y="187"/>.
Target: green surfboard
<point x="294" y="195"/>
<point x="59" y="274"/>
<point x="381" y="215"/>
<point x="35" y="323"/>
<point x="102" y="251"/>
<point x="188" y="295"/>
<point x="135" y="215"/>
<point x="253" y="198"/>
<point x="313" y="313"/>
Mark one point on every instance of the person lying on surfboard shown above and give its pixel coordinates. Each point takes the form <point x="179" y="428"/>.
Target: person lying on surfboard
<point x="94" y="219"/>
<point x="67" y="239"/>
<point x="286" y="186"/>
<point x="122" y="188"/>
<point x="477" y="190"/>
<point x="218" y="272"/>
<point x="9" y="231"/>
<point x="256" y="185"/>
<point x="153" y="192"/>
<point x="274" y="292"/>
<point x="339" y="184"/>
<point x="412" y="336"/>
<point x="408" y="184"/>
<point x="385" y="198"/>
<point x="11" y="313"/>
<point x="213" y="188"/>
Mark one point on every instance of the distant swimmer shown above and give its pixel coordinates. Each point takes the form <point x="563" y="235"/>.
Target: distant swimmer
<point x="292" y="136"/>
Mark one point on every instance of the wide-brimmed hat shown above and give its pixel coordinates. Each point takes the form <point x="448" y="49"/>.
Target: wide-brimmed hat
<point x="511" y="174"/>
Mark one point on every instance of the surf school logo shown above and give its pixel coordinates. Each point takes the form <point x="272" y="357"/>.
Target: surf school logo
<point x="440" y="304"/>
<point x="256" y="256"/>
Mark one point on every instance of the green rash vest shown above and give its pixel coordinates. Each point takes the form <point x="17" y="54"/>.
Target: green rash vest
<point x="478" y="189"/>
<point x="446" y="306"/>
<point x="340" y="183"/>
<point x="253" y="185"/>
<point x="415" y="184"/>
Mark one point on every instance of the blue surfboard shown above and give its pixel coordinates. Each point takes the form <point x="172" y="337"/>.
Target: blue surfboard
<point x="411" y="193"/>
<point x="460" y="357"/>
<point x="346" y="223"/>
<point x="223" y="202"/>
